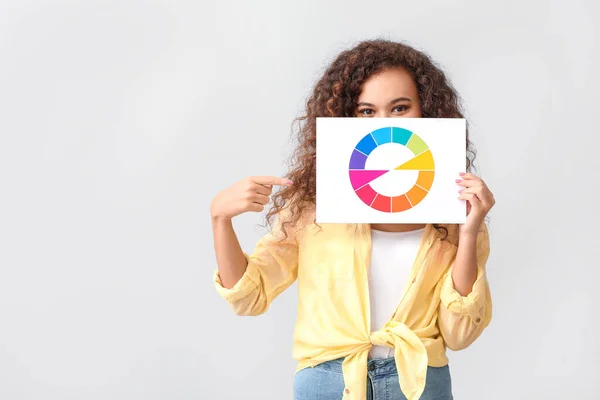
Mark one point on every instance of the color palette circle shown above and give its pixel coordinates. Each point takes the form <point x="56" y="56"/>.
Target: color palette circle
<point x="361" y="178"/>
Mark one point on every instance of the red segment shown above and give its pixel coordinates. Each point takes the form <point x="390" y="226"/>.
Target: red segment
<point x="382" y="203"/>
<point x="360" y="177"/>
<point x="366" y="194"/>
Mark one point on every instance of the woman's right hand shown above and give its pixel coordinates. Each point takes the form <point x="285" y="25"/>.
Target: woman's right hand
<point x="249" y="194"/>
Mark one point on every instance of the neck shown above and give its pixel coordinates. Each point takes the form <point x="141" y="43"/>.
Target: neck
<point x="397" y="227"/>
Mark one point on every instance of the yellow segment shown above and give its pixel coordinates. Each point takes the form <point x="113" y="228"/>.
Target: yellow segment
<point x="423" y="161"/>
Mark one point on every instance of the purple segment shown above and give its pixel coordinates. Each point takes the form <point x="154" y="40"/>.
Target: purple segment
<point x="357" y="160"/>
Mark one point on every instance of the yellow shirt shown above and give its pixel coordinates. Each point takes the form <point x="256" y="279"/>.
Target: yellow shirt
<point x="330" y="262"/>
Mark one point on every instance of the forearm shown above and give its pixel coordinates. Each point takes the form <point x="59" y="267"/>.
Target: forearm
<point x="464" y="272"/>
<point x="230" y="257"/>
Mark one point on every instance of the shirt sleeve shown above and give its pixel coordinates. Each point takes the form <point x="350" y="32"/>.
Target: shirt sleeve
<point x="271" y="268"/>
<point x="462" y="319"/>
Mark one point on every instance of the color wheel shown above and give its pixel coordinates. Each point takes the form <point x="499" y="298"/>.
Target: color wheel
<point x="361" y="178"/>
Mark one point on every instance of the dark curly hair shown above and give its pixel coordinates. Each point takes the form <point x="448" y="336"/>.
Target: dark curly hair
<point x="335" y="95"/>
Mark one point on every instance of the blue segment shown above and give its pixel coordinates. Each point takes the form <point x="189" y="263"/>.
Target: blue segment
<point x="357" y="160"/>
<point x="400" y="135"/>
<point x="366" y="145"/>
<point x="383" y="135"/>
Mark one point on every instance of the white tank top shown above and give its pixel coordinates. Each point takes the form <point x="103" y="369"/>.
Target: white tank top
<point x="392" y="257"/>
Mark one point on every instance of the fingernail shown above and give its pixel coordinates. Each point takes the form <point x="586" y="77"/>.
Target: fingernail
<point x="460" y="191"/>
<point x="461" y="173"/>
<point x="458" y="180"/>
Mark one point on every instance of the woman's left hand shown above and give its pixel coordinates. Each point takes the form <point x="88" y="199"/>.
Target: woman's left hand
<point x="479" y="202"/>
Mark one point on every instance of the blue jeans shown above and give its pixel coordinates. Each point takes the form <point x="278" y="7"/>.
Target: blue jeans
<point x="326" y="382"/>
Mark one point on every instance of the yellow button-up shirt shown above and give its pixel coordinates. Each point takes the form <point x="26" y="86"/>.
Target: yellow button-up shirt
<point x="330" y="262"/>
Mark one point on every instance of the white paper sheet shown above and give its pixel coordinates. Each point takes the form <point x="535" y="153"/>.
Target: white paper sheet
<point x="390" y="170"/>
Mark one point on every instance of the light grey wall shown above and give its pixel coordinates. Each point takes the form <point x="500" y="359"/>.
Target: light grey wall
<point x="120" y="120"/>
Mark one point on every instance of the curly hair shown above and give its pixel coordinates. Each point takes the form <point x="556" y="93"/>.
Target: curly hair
<point x="335" y="95"/>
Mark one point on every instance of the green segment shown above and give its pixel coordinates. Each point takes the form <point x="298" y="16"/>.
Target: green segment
<point x="416" y="145"/>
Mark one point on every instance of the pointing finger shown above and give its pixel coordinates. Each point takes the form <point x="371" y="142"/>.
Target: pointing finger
<point x="271" y="180"/>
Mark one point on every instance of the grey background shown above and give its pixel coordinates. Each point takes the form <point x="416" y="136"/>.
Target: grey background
<point x="120" y="120"/>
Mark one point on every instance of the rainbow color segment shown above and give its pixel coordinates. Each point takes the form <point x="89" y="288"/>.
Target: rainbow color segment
<point x="361" y="178"/>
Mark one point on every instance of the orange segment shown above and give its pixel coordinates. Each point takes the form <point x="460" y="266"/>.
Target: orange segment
<point x="416" y="194"/>
<point x="400" y="203"/>
<point x="425" y="179"/>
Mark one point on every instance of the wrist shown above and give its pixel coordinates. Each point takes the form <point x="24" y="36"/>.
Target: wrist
<point x="217" y="219"/>
<point x="467" y="233"/>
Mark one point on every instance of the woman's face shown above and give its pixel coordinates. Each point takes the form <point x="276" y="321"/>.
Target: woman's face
<point x="389" y="93"/>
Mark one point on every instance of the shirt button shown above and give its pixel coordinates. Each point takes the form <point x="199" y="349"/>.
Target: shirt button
<point x="347" y="391"/>
<point x="478" y="320"/>
<point x="414" y="280"/>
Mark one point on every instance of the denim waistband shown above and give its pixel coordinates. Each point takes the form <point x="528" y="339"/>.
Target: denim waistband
<point x="375" y="366"/>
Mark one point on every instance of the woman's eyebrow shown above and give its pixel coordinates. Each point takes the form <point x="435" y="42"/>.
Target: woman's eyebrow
<point x="364" y="103"/>
<point x="400" y="99"/>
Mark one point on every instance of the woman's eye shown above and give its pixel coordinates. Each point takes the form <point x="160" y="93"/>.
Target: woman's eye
<point x="366" y="111"/>
<point x="400" y="108"/>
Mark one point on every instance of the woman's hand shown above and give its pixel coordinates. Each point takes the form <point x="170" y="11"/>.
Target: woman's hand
<point x="479" y="202"/>
<point x="249" y="194"/>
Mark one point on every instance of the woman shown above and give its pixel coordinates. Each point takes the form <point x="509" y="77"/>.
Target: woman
<point x="379" y="304"/>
